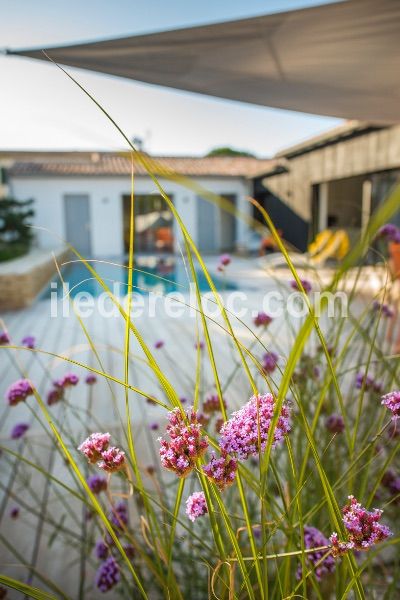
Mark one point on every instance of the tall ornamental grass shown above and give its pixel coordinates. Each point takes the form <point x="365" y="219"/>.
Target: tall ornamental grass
<point x="277" y="494"/>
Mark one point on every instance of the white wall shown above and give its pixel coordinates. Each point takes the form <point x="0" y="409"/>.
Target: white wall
<point x="106" y="211"/>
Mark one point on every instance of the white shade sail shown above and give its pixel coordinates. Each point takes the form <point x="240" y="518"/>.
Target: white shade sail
<point x="341" y="59"/>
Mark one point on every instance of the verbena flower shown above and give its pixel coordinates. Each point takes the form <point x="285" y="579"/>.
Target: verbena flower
<point x="101" y="550"/>
<point x="154" y="426"/>
<point x="14" y="512"/>
<point x="186" y="444"/>
<point x="94" y="445"/>
<point x="383" y="308"/>
<point x="4" y="338"/>
<point x="363" y="528"/>
<point x="112" y="460"/>
<point x="129" y="551"/>
<point x="97" y="483"/>
<point x="108" y="575"/>
<point x="392" y="402"/>
<point x="390" y="232"/>
<point x="119" y="516"/>
<point x="196" y="506"/>
<point x="270" y="361"/>
<point x="261" y="319"/>
<point x="54" y="396"/>
<point x="91" y="379"/>
<point x="212" y="404"/>
<point x="240" y="435"/>
<point x="19" y="391"/>
<point x="304" y="282"/>
<point x="391" y="481"/>
<point x="368" y="382"/>
<point x="68" y="380"/>
<point x="314" y="538"/>
<point x="221" y="471"/>
<point x="19" y="430"/>
<point x="225" y="259"/>
<point x="218" y="424"/>
<point x="29" y="341"/>
<point x="159" y="344"/>
<point x="335" y="423"/>
<point x="199" y="345"/>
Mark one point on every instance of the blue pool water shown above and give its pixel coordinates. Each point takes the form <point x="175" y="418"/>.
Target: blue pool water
<point x="152" y="274"/>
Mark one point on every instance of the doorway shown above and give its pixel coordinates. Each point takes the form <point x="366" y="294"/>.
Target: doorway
<point x="77" y="222"/>
<point x="153" y="223"/>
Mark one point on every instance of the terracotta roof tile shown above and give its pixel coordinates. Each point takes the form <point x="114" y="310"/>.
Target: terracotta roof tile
<point x="107" y="163"/>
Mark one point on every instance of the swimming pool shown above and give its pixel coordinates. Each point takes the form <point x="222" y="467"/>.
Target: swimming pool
<point x="152" y="274"/>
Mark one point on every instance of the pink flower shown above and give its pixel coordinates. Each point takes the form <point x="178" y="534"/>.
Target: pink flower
<point x="196" y="506"/>
<point x="91" y="379"/>
<point x="392" y="402"/>
<point x="186" y="443"/>
<point x="159" y="344"/>
<point x="94" y="446"/>
<point x="19" y="391"/>
<point x="212" y="404"/>
<point x="112" y="460"/>
<point x="221" y="471"/>
<point x="240" y="435"/>
<point x="262" y="319"/>
<point x="363" y="527"/>
<point x="225" y="260"/>
<point x="199" y="345"/>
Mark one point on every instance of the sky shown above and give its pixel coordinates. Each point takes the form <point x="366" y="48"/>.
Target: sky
<point x="41" y="109"/>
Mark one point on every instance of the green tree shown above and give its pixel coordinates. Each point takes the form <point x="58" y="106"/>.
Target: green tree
<point x="226" y="151"/>
<point x="15" y="233"/>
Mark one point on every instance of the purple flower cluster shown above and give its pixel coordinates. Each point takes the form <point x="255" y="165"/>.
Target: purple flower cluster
<point x="19" y="430"/>
<point x="54" y="396"/>
<point x="368" y="382"/>
<point x="262" y="319"/>
<point x="186" y="443"/>
<point x="304" y="282"/>
<point x="119" y="516"/>
<point x="335" y="423"/>
<point x="68" y="380"/>
<point x="97" y="483"/>
<point x="4" y="338"/>
<point x="91" y="379"/>
<point x="19" y="391"/>
<point x="29" y="342"/>
<point x="314" y="538"/>
<point x="240" y="435"/>
<point x="212" y="404"/>
<point x="101" y="550"/>
<point x="363" y="527"/>
<point x="270" y="361"/>
<point x="384" y="309"/>
<point x="390" y="232"/>
<point x="196" y="506"/>
<point x="391" y="481"/>
<point x="392" y="402"/>
<point x="108" y="575"/>
<point x="221" y="471"/>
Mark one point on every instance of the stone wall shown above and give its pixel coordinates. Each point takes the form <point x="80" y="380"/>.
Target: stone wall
<point x="22" y="279"/>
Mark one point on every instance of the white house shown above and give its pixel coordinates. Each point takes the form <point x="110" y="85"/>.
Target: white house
<point x="84" y="198"/>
